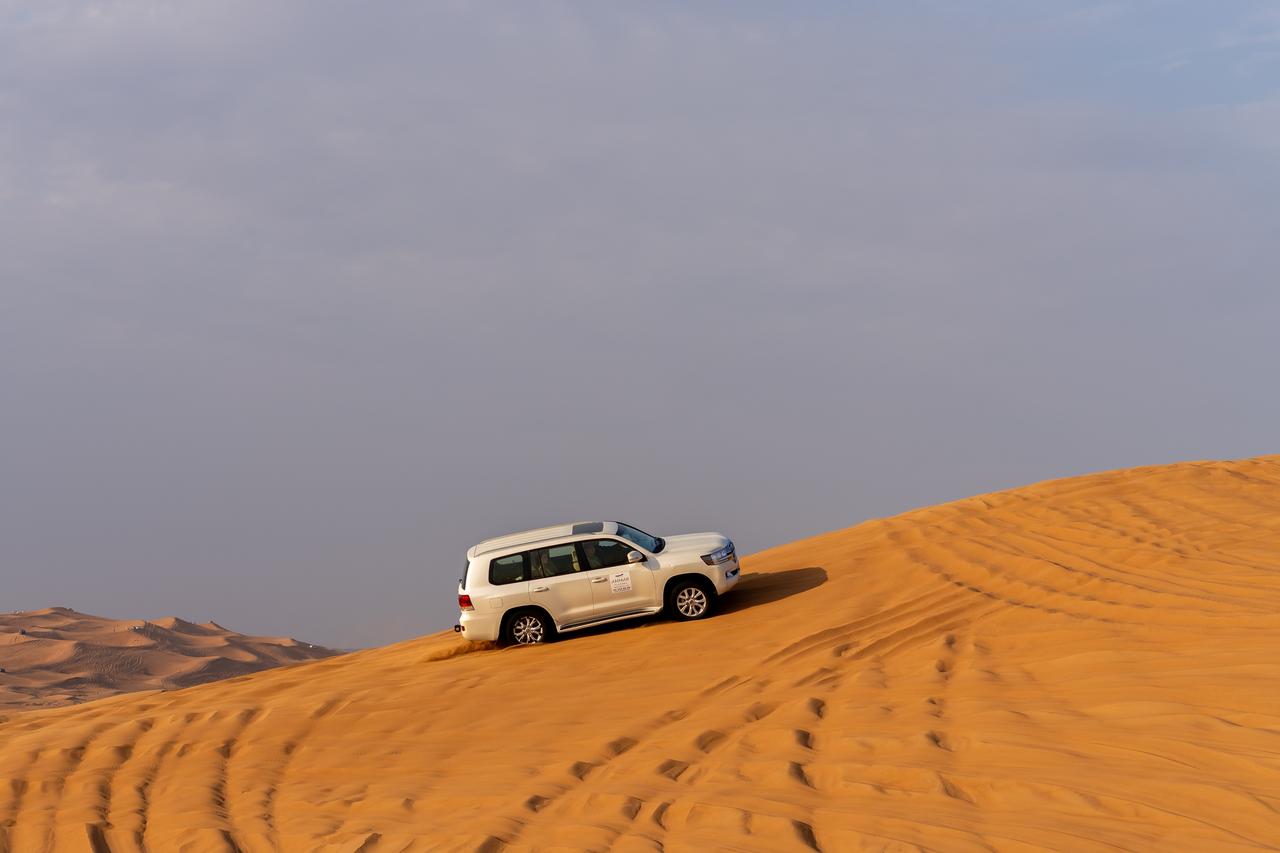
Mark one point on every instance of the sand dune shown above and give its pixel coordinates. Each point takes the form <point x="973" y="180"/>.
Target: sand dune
<point x="1088" y="664"/>
<point x="57" y="656"/>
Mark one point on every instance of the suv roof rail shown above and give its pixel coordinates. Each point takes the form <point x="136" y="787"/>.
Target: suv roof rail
<point x="538" y="534"/>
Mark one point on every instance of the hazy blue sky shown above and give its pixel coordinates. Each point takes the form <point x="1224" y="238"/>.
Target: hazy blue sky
<point x="300" y="300"/>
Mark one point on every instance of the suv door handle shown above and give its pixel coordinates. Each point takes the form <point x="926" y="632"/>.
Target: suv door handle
<point x="538" y="589"/>
<point x="598" y="580"/>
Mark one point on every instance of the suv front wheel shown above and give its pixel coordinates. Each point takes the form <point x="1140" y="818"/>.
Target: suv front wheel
<point x="688" y="600"/>
<point x="528" y="628"/>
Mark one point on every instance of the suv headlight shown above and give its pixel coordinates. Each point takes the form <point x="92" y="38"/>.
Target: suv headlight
<point x="718" y="556"/>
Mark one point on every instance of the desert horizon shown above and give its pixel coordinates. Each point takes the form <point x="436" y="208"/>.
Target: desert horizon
<point x="1077" y="664"/>
<point x="58" y="656"/>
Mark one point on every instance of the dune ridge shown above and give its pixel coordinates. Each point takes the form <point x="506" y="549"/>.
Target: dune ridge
<point x="57" y="656"/>
<point x="1084" y="664"/>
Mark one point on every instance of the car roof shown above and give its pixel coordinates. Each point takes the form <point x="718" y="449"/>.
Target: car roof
<point x="541" y="534"/>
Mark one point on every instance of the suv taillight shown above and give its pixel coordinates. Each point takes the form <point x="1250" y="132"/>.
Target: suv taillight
<point x="464" y="602"/>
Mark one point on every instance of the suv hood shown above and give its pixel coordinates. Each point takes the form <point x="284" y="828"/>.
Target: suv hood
<point x="696" y="543"/>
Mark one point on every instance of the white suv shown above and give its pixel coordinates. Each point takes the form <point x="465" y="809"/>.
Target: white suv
<point x="527" y="587"/>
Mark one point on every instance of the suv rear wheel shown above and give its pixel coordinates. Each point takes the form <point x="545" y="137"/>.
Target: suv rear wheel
<point x="688" y="600"/>
<point x="529" y="627"/>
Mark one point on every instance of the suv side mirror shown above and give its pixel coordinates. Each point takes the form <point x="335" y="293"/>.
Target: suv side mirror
<point x="635" y="557"/>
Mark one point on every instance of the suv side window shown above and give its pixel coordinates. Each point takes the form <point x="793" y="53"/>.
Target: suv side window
<point x="605" y="553"/>
<point x="554" y="561"/>
<point x="509" y="569"/>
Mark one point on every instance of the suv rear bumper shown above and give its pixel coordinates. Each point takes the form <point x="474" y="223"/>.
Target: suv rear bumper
<point x="479" y="625"/>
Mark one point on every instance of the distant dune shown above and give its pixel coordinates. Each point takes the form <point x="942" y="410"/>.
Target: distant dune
<point x="1089" y="665"/>
<point x="58" y="657"/>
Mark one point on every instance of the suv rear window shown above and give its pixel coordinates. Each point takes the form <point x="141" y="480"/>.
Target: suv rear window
<point x="509" y="569"/>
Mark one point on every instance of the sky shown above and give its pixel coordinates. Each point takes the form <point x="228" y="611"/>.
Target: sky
<point x="298" y="301"/>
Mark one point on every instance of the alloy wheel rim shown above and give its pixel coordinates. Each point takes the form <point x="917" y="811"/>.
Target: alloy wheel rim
<point x="691" y="601"/>
<point x="527" y="630"/>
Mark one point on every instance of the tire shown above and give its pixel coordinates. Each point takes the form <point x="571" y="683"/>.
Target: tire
<point x="529" y="628"/>
<point x="689" y="600"/>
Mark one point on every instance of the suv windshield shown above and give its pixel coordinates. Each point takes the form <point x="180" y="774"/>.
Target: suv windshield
<point x="652" y="544"/>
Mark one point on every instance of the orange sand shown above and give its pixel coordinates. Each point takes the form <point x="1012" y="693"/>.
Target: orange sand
<point x="67" y="657"/>
<point x="1089" y="664"/>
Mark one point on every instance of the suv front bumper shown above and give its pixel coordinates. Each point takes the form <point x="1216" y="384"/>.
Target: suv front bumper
<point x="726" y="576"/>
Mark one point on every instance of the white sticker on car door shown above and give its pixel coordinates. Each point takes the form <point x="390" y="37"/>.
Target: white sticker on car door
<point x="620" y="581"/>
